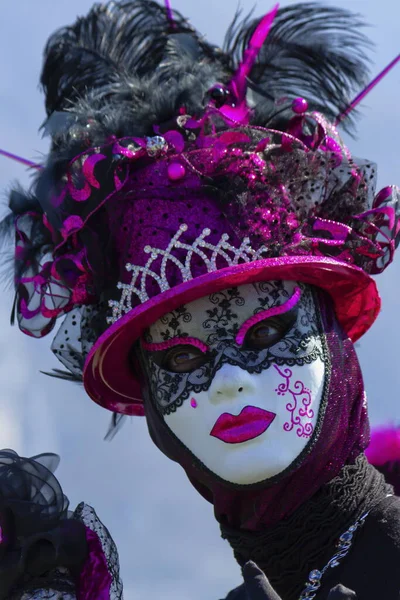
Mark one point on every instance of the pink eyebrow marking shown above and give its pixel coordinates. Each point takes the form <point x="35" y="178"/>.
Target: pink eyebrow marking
<point x="176" y="341"/>
<point x="269" y="312"/>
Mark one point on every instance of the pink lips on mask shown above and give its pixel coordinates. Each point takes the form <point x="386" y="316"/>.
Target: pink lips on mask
<point x="249" y="424"/>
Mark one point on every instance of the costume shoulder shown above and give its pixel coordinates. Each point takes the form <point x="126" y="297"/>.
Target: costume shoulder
<point x="257" y="587"/>
<point x="372" y="567"/>
<point x="47" y="551"/>
<point x="238" y="593"/>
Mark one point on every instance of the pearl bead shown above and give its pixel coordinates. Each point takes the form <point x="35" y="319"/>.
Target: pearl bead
<point x="176" y="171"/>
<point x="299" y="106"/>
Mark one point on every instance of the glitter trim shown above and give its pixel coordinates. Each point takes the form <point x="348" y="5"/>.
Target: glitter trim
<point x="222" y="250"/>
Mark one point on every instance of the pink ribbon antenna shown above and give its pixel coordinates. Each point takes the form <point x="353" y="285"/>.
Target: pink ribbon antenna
<point x="21" y="160"/>
<point x="367" y="90"/>
<point x="250" y="55"/>
<point x="169" y="13"/>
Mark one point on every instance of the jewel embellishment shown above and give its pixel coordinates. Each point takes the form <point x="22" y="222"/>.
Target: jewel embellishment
<point x="156" y="145"/>
<point x="343" y="546"/>
<point x="222" y="250"/>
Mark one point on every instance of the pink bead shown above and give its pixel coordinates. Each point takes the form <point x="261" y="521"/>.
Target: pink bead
<point x="193" y="403"/>
<point x="176" y="171"/>
<point x="299" y="106"/>
<point x="332" y="144"/>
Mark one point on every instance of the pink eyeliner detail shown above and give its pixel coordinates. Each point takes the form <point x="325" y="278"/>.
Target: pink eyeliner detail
<point x="186" y="341"/>
<point x="193" y="403"/>
<point x="269" y="312"/>
<point x="299" y="408"/>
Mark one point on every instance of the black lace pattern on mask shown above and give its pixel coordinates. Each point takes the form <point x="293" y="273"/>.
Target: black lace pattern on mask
<point x="301" y="345"/>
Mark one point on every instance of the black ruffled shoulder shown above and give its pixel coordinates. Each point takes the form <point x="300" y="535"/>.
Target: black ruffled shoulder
<point x="46" y="551"/>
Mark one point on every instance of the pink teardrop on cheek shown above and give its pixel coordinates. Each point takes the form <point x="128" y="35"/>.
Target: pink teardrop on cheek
<point x="193" y="403"/>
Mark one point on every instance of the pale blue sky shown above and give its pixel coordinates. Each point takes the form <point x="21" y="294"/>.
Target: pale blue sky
<point x="157" y="520"/>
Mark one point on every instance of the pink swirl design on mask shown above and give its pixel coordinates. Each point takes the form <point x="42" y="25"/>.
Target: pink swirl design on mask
<point x="177" y="341"/>
<point x="301" y="401"/>
<point x="269" y="312"/>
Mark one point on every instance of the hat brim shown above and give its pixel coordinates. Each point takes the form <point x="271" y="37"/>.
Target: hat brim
<point x="108" y="375"/>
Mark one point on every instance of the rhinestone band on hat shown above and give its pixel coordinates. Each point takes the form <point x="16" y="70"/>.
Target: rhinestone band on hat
<point x="222" y="250"/>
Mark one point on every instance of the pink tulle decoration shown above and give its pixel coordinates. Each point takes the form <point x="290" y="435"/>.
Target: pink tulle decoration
<point x="384" y="446"/>
<point x="95" y="580"/>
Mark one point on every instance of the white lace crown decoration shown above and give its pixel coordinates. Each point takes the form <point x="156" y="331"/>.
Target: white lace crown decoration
<point x="137" y="287"/>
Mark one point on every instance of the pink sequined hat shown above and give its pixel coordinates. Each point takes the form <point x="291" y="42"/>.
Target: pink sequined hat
<point x="139" y="225"/>
<point x="184" y="237"/>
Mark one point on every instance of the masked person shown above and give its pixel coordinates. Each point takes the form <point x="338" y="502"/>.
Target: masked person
<point x="211" y="241"/>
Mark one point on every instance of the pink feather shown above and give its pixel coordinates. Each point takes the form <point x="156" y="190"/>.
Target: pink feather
<point x="239" y="83"/>
<point x="169" y="13"/>
<point x="384" y="446"/>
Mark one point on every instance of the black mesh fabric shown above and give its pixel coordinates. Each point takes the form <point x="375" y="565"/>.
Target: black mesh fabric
<point x="43" y="546"/>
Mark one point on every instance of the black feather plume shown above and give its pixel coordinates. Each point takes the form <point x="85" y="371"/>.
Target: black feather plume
<point x="117" y="420"/>
<point x="312" y="50"/>
<point x="7" y="230"/>
<point x="66" y="375"/>
<point x="113" y="43"/>
<point x="116" y="423"/>
<point x="123" y="68"/>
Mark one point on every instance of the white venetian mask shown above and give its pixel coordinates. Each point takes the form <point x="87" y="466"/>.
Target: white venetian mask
<point x="238" y="377"/>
